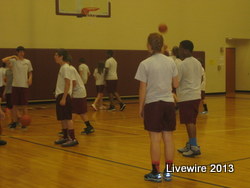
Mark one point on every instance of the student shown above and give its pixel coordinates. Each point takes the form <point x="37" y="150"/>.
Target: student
<point x="83" y="70"/>
<point x="203" y="93"/>
<point x="157" y="74"/>
<point x="111" y="81"/>
<point x="2" y="116"/>
<point x="8" y="90"/>
<point x="189" y="95"/>
<point x="22" y="79"/>
<point x="63" y="100"/>
<point x="79" y="99"/>
<point x="99" y="74"/>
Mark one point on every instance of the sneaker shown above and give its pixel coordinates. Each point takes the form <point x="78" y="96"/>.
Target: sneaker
<point x="111" y="108"/>
<point x="153" y="177"/>
<point x="204" y="112"/>
<point x="122" y="106"/>
<point x="194" y="150"/>
<point x="167" y="176"/>
<point x="61" y="140"/>
<point x="94" y="107"/>
<point x="185" y="149"/>
<point x="70" y="143"/>
<point x="13" y="125"/>
<point x="102" y="108"/>
<point x="88" y="130"/>
<point x="2" y="142"/>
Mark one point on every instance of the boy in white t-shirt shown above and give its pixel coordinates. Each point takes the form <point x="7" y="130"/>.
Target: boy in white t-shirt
<point x="111" y="81"/>
<point x="79" y="99"/>
<point x="157" y="74"/>
<point x="63" y="99"/>
<point x="22" y="79"/>
<point x="2" y="115"/>
<point x="189" y="95"/>
<point x="83" y="70"/>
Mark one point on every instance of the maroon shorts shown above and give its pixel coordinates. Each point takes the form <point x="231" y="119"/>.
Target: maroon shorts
<point x="159" y="116"/>
<point x="100" y="88"/>
<point x="8" y="99"/>
<point x="79" y="105"/>
<point x="203" y="95"/>
<point x="111" y="86"/>
<point x="63" y="112"/>
<point x="20" y="96"/>
<point x="1" y="91"/>
<point x="189" y="111"/>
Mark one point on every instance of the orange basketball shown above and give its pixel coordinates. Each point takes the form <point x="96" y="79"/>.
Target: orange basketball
<point x="25" y="120"/>
<point x="163" y="28"/>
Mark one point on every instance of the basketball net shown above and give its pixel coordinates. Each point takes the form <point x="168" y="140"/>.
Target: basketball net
<point x="87" y="11"/>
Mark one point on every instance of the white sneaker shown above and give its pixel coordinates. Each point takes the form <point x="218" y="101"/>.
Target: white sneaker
<point x="185" y="149"/>
<point x="194" y="150"/>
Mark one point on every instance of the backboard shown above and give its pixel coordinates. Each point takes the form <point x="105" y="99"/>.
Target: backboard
<point x="98" y="8"/>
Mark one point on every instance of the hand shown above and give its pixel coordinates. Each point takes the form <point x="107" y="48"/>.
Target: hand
<point x="29" y="82"/>
<point x="141" y="113"/>
<point x="62" y="102"/>
<point x="15" y="57"/>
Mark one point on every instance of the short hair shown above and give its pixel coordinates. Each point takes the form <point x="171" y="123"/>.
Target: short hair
<point x="175" y="51"/>
<point x="69" y="59"/>
<point x="64" y="53"/>
<point x="20" y="48"/>
<point x="187" y="45"/>
<point x="82" y="60"/>
<point x="155" y="40"/>
<point x="110" y="53"/>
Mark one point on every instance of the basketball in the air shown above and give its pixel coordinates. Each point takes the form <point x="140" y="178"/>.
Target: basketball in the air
<point x="163" y="28"/>
<point x="25" y="120"/>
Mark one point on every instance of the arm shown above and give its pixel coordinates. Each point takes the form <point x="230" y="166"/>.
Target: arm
<point x="66" y="91"/>
<point x="30" y="78"/>
<point x="142" y="96"/>
<point x="6" y="59"/>
<point x="175" y="82"/>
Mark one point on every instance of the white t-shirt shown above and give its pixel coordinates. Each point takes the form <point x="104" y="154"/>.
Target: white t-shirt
<point x="79" y="90"/>
<point x="84" y="69"/>
<point x="64" y="72"/>
<point x="190" y="74"/>
<point x="2" y="75"/>
<point x="203" y="83"/>
<point x="21" y="68"/>
<point x="111" y="65"/>
<point x="99" y="78"/>
<point x="157" y="72"/>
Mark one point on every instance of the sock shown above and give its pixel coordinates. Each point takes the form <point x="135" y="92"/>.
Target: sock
<point x="155" y="167"/>
<point x="65" y="133"/>
<point x="87" y="123"/>
<point x="72" y="134"/>
<point x="168" y="165"/>
<point x="205" y="107"/>
<point x="193" y="141"/>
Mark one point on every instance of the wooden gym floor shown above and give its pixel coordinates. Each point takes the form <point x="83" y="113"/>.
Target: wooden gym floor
<point x="117" y="154"/>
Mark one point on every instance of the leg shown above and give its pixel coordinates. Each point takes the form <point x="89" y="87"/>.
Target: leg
<point x="122" y="105"/>
<point x="155" y="152"/>
<point x="89" y="128"/>
<point x="155" y="148"/>
<point x="169" y="154"/>
<point x="194" y="148"/>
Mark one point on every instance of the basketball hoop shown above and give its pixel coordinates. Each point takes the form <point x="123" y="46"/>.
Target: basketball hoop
<point x="86" y="11"/>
